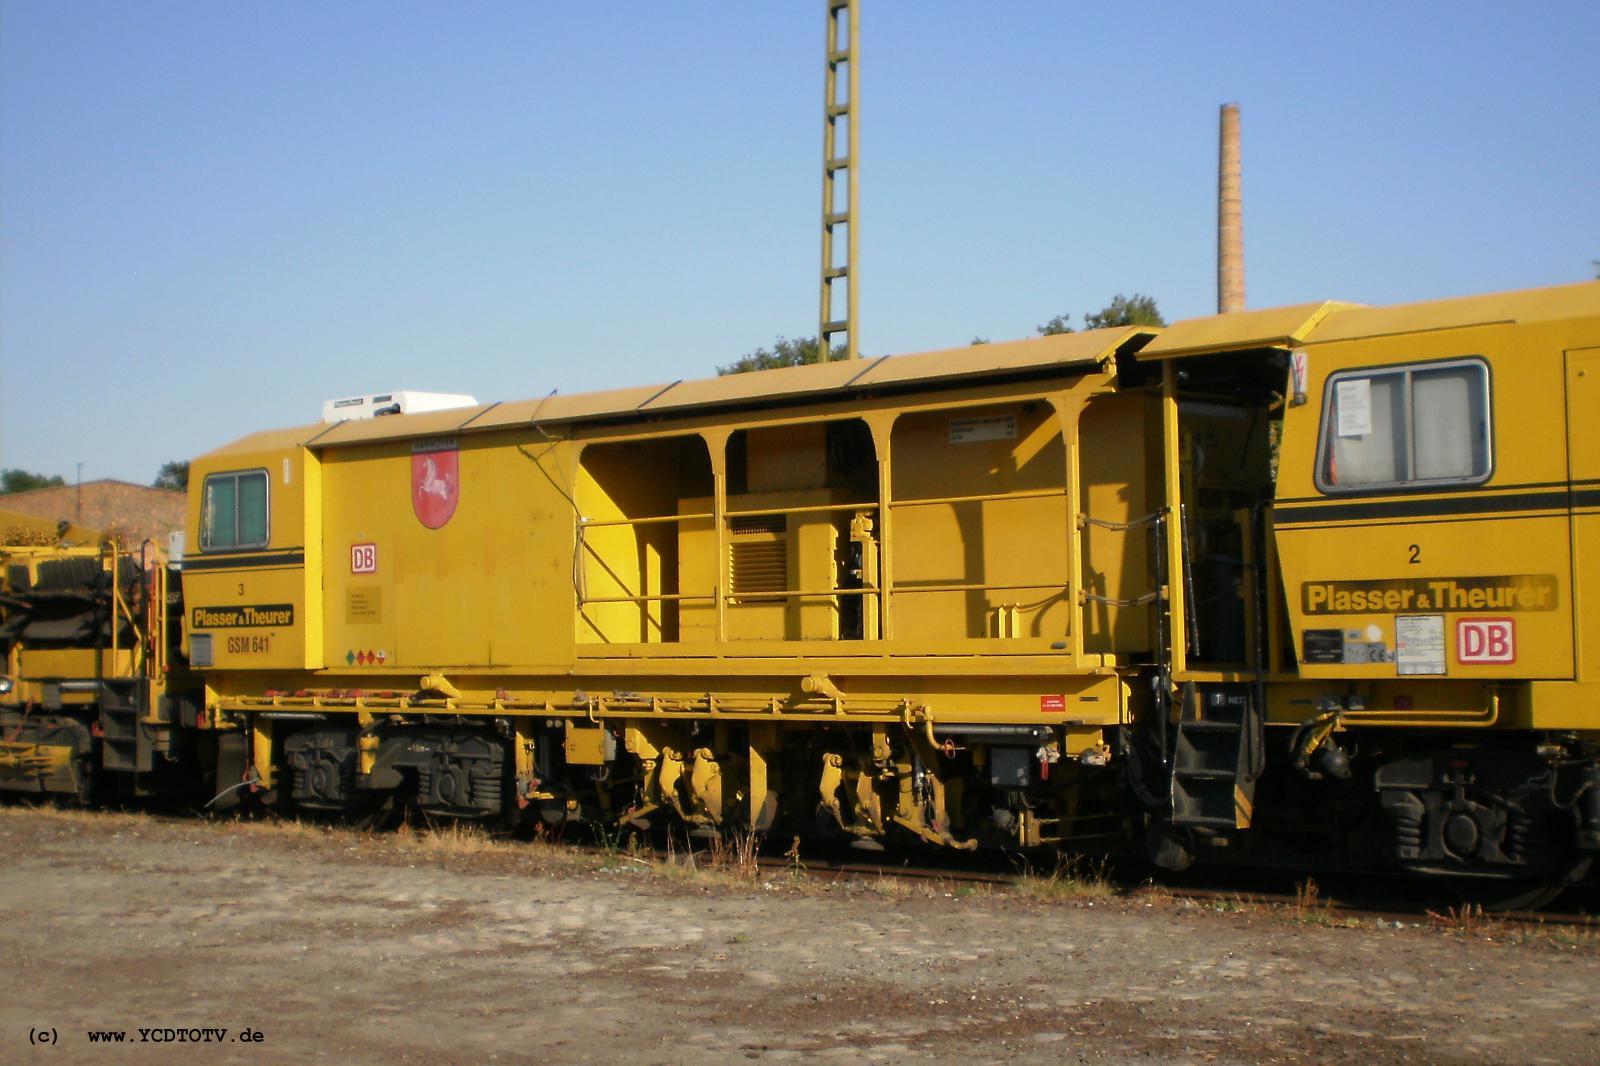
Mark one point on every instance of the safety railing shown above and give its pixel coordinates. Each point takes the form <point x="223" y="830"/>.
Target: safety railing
<point x="878" y="586"/>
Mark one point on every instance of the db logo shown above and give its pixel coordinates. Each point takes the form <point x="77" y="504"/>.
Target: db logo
<point x="363" y="558"/>
<point x="1486" y="640"/>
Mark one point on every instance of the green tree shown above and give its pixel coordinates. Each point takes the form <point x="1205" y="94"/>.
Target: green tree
<point x="173" y="475"/>
<point x="23" y="480"/>
<point x="1135" y="310"/>
<point x="784" y="352"/>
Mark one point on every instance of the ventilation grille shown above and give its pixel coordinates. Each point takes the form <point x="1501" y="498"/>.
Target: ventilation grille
<point x="760" y="566"/>
<point x="760" y="523"/>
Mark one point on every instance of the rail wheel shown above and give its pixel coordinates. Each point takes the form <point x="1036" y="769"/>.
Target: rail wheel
<point x="1522" y="893"/>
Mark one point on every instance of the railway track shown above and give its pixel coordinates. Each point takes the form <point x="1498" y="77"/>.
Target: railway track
<point x="1229" y="889"/>
<point x="1307" y="899"/>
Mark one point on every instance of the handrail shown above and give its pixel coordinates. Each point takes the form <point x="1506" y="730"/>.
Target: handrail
<point x="786" y="594"/>
<point x="659" y="597"/>
<point x="783" y="594"/>
<point x="596" y="523"/>
<point x="979" y="587"/>
<point x="810" y="508"/>
<point x="986" y="497"/>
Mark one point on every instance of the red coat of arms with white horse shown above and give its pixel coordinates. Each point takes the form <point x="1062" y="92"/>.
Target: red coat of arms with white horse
<point x="435" y="480"/>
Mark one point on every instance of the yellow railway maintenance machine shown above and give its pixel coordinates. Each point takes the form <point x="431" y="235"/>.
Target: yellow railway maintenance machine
<point x="1312" y="585"/>
<point x="95" y="699"/>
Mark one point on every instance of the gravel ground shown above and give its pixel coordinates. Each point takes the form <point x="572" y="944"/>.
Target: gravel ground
<point x="450" y="948"/>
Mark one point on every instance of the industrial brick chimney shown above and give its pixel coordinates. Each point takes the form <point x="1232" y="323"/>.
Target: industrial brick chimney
<point x="1230" y="216"/>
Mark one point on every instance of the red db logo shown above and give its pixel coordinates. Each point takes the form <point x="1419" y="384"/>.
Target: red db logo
<point x="363" y="558"/>
<point x="1486" y="640"/>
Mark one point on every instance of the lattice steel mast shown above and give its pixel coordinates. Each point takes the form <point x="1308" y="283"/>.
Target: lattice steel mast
<point x="843" y="50"/>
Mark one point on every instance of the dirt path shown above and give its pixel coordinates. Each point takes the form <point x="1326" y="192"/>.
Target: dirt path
<point x="412" y="949"/>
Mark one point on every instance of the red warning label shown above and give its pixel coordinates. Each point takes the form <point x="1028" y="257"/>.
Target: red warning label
<point x="1052" y="704"/>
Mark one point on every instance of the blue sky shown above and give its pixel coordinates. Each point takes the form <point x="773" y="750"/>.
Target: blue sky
<point x="214" y="216"/>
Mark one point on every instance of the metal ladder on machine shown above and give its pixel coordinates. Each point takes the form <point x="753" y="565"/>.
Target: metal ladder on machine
<point x="1215" y="758"/>
<point x="843" y="49"/>
<point x="1217" y="752"/>
<point x="124" y="744"/>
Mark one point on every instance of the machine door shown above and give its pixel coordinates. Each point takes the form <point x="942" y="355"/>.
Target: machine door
<point x="1583" y="467"/>
<point x="1423" y="520"/>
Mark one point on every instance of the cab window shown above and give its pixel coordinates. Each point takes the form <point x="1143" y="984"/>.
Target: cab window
<point x="1399" y="427"/>
<point x="234" y="512"/>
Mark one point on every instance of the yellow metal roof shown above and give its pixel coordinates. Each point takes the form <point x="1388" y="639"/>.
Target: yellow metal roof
<point x="821" y="380"/>
<point x="268" y="440"/>
<point x="1529" y="305"/>
<point x="389" y="427"/>
<point x="1273" y="327"/>
<point x="558" y="408"/>
<point x="1322" y="323"/>
<point x="1311" y="323"/>
<point x="1066" y="349"/>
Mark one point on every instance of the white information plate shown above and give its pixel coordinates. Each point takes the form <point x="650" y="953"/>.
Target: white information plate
<point x="972" y="430"/>
<point x="1354" y="400"/>
<point x="1419" y="643"/>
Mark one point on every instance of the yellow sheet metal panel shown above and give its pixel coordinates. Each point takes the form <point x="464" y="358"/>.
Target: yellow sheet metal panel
<point x="391" y="427"/>
<point x="784" y="383"/>
<point x="1528" y="307"/>
<point x="55" y="663"/>
<point x="548" y="410"/>
<point x="249" y="603"/>
<point x="559" y="408"/>
<point x="1120" y="482"/>
<point x="1583" y="437"/>
<point x="976" y="360"/>
<point x="1453" y="559"/>
<point x="1355" y="584"/>
<point x="464" y="563"/>
<point x="1063" y="349"/>
<point x="585" y="745"/>
<point x="1274" y="327"/>
<point x="980" y="525"/>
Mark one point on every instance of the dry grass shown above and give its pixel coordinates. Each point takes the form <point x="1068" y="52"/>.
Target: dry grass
<point x="727" y="860"/>
<point x="1468" y="918"/>
<point x="890" y="887"/>
<point x="79" y="815"/>
<point x="1074" y="878"/>
<point x="455" y="839"/>
<point x="1471" y="920"/>
<point x="735" y="852"/>
<point x="1309" y="907"/>
<point x="730" y="863"/>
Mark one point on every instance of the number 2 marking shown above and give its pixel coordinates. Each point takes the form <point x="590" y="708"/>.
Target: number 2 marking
<point x="1416" y="554"/>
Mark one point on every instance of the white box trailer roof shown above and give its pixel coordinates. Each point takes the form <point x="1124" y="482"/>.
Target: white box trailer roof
<point x="374" y="404"/>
